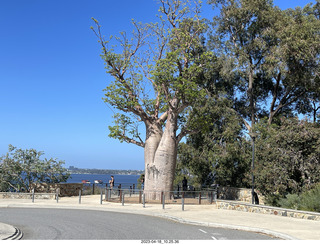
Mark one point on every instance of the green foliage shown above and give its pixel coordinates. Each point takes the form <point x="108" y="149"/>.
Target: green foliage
<point x="19" y="169"/>
<point x="310" y="200"/>
<point x="291" y="201"/>
<point x="307" y="201"/>
<point x="218" y="153"/>
<point x="156" y="70"/>
<point x="287" y="157"/>
<point x="273" y="53"/>
<point x="139" y="181"/>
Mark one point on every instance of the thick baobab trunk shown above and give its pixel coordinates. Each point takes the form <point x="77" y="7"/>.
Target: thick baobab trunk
<point x="160" y="160"/>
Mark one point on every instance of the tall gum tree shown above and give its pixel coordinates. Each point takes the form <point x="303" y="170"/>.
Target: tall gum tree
<point x="274" y="55"/>
<point x="155" y="82"/>
<point x="241" y="28"/>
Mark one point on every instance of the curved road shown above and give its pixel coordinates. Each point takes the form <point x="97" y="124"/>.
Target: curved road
<point x="64" y="224"/>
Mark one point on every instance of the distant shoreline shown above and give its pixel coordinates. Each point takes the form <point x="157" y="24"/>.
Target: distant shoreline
<point x="74" y="170"/>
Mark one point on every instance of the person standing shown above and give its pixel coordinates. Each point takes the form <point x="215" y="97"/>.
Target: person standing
<point x="111" y="182"/>
<point x="142" y="182"/>
<point x="184" y="184"/>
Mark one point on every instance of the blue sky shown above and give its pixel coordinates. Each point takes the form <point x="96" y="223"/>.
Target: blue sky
<point x="52" y="78"/>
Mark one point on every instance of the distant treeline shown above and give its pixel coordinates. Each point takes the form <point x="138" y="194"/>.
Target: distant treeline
<point x="74" y="170"/>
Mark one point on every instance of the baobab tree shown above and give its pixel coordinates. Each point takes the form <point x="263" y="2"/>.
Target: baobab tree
<point x="156" y="80"/>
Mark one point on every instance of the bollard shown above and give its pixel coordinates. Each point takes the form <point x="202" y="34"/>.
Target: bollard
<point x="199" y="198"/>
<point x="93" y="185"/>
<point x="120" y="195"/>
<point x="122" y="198"/>
<point x="32" y="195"/>
<point x="133" y="188"/>
<point x="163" y="200"/>
<point x="144" y="200"/>
<point x="101" y="197"/>
<point x="105" y="194"/>
<point x="182" y="200"/>
<point x="130" y="191"/>
<point x="57" y="196"/>
<point x="79" y="196"/>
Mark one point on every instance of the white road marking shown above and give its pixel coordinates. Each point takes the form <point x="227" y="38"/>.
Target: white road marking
<point x="203" y="231"/>
<point x="214" y="238"/>
<point x="223" y="238"/>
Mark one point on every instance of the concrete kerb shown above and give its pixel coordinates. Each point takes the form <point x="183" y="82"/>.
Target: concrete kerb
<point x="9" y="232"/>
<point x="233" y="227"/>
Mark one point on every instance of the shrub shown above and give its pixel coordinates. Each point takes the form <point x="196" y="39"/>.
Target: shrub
<point x="307" y="201"/>
<point x="310" y="200"/>
<point x="291" y="201"/>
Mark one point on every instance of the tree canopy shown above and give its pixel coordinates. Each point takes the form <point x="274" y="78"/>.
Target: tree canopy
<point x="20" y="169"/>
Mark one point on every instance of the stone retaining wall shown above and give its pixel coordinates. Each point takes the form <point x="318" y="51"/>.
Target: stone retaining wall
<point x="47" y="191"/>
<point x="232" y="205"/>
<point x="64" y="189"/>
<point x="238" y="194"/>
<point x="17" y="195"/>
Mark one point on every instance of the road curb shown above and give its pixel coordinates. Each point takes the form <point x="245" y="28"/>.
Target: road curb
<point x="227" y="226"/>
<point x="9" y="232"/>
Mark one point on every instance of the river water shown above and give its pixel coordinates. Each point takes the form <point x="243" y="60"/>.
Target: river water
<point x="124" y="180"/>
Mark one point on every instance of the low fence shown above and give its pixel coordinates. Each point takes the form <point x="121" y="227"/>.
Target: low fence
<point x="159" y="197"/>
<point x="95" y="188"/>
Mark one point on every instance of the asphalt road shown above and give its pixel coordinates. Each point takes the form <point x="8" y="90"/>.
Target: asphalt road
<point x="63" y="224"/>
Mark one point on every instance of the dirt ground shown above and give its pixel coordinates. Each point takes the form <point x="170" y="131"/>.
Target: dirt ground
<point x="174" y="200"/>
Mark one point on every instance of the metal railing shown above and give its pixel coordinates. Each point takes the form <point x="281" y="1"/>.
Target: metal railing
<point x="94" y="188"/>
<point x="160" y="197"/>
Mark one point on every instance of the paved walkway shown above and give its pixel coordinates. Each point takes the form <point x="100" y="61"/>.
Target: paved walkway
<point x="206" y="215"/>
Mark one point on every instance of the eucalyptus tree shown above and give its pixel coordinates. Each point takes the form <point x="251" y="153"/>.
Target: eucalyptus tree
<point x="273" y="55"/>
<point x="241" y="27"/>
<point x="293" y="62"/>
<point x="219" y="155"/>
<point x="156" y="79"/>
